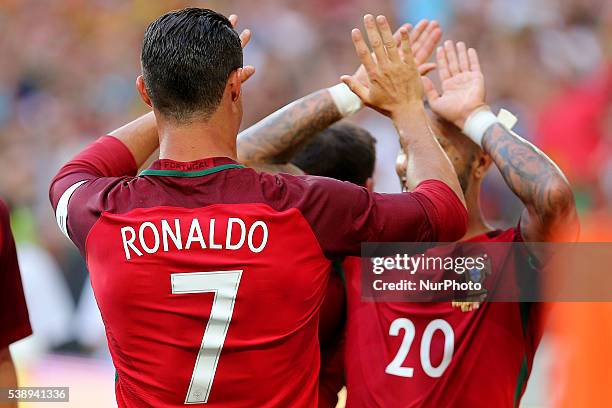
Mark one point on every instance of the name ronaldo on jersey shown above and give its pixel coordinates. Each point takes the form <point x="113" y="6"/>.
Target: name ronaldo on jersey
<point x="167" y="235"/>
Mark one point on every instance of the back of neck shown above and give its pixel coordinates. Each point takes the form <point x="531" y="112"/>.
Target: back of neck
<point x="196" y="140"/>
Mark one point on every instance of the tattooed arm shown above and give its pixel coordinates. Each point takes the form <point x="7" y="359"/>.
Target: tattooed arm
<point x="271" y="143"/>
<point x="550" y="211"/>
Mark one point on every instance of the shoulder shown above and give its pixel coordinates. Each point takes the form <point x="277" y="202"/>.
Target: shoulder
<point x="99" y="195"/>
<point x="298" y="180"/>
<point x="283" y="183"/>
<point x="313" y="194"/>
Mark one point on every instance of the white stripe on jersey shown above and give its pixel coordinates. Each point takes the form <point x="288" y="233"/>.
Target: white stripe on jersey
<point x="61" y="214"/>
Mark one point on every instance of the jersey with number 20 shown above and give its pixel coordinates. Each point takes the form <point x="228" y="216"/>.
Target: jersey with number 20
<point x="410" y="355"/>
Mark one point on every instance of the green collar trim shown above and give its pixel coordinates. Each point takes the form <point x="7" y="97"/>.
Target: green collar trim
<point x="179" y="173"/>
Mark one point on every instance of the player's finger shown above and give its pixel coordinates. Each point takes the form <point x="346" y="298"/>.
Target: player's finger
<point x="426" y="68"/>
<point x="423" y="37"/>
<point x="464" y="64"/>
<point x="357" y="87"/>
<point x="374" y="37"/>
<point x="407" y="54"/>
<point x="396" y="34"/>
<point x="246" y="73"/>
<point x="363" y="52"/>
<point x="418" y="30"/>
<point x="387" y="38"/>
<point x="430" y="90"/>
<point x="443" y="71"/>
<point x="426" y="50"/>
<point x="473" y="59"/>
<point x="245" y="37"/>
<point x="451" y="57"/>
<point x="233" y="19"/>
<point x="431" y="27"/>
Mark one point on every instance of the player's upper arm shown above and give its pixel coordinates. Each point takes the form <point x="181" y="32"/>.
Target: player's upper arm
<point x="343" y="215"/>
<point x="554" y="220"/>
<point x="559" y="223"/>
<point x="104" y="159"/>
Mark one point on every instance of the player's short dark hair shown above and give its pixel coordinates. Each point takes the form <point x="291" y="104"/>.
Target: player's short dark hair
<point x="187" y="57"/>
<point x="343" y="151"/>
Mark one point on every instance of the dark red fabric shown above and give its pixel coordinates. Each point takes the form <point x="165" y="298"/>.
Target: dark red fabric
<point x="341" y="214"/>
<point x="270" y="356"/>
<point x="104" y="164"/>
<point x="489" y="345"/>
<point x="14" y="319"/>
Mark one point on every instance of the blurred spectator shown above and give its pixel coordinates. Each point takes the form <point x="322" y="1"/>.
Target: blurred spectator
<point x="69" y="67"/>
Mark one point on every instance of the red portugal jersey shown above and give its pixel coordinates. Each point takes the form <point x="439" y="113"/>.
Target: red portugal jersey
<point x="209" y="276"/>
<point x="14" y="319"/>
<point x="435" y="355"/>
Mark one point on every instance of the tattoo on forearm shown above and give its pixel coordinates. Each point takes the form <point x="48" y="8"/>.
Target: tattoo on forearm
<point x="531" y="175"/>
<point x="276" y="138"/>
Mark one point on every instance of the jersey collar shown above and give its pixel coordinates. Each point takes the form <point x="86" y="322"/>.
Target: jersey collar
<point x="197" y="168"/>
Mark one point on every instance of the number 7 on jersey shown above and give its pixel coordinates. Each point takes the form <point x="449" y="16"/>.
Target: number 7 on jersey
<point x="224" y="284"/>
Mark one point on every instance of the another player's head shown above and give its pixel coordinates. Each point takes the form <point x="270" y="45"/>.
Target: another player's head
<point x="343" y="151"/>
<point x="190" y="68"/>
<point x="469" y="160"/>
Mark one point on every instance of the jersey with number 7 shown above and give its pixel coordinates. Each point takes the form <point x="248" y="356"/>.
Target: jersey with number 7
<point x="209" y="276"/>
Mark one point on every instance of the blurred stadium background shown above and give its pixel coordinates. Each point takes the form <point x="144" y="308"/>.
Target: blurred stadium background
<point x="67" y="76"/>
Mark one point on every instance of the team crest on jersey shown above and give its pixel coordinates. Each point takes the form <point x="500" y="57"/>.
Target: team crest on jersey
<point x="473" y="299"/>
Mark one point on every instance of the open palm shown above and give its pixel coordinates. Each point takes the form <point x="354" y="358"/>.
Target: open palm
<point x="462" y="82"/>
<point x="423" y="39"/>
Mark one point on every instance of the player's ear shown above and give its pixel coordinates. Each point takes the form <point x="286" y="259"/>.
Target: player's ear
<point x="483" y="163"/>
<point x="401" y="164"/>
<point x="234" y="83"/>
<point x="142" y="90"/>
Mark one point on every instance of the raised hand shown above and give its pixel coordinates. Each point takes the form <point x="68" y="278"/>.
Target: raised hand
<point x="423" y="39"/>
<point x="245" y="36"/>
<point x="393" y="80"/>
<point x="463" y="88"/>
